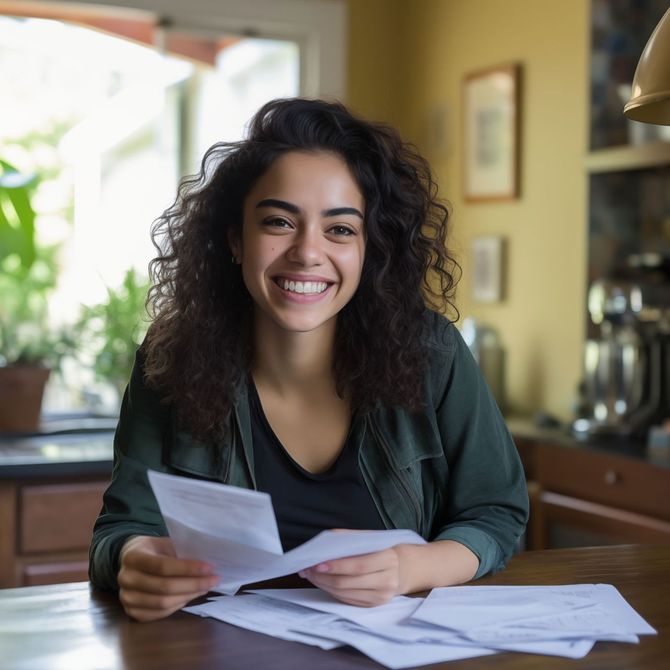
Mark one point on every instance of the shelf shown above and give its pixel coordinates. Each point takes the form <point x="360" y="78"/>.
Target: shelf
<point x="628" y="157"/>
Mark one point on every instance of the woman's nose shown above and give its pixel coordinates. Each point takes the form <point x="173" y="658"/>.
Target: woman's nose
<point x="307" y="248"/>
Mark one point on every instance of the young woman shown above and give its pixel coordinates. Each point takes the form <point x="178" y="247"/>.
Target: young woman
<point x="296" y="348"/>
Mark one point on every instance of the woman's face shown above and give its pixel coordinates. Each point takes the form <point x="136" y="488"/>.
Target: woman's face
<point x="303" y="241"/>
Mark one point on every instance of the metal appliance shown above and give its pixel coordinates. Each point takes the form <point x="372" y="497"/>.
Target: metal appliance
<point x="626" y="384"/>
<point x="484" y="344"/>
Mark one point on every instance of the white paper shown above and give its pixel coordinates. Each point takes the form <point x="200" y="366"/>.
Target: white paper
<point x="462" y="608"/>
<point x="235" y="530"/>
<point x="390" y="620"/>
<point x="223" y="511"/>
<point x="395" y="654"/>
<point x="392" y="635"/>
<point x="606" y="615"/>
<point x="265" y="615"/>
<point x="395" y="611"/>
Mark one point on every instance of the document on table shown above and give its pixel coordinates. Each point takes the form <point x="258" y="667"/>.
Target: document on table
<point x="594" y="611"/>
<point x="267" y="615"/>
<point x="564" y="621"/>
<point x="235" y="530"/>
<point x="394" y="622"/>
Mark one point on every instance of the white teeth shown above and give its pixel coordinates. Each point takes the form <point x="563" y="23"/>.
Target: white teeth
<point x="308" y="287"/>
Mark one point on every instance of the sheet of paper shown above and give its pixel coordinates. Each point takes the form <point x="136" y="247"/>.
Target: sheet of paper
<point x="617" y="606"/>
<point x="395" y="611"/>
<point x="391" y="635"/>
<point x="219" y="510"/>
<point x="236" y="531"/>
<point x="606" y="617"/>
<point x="390" y="620"/>
<point x="565" y="648"/>
<point x="605" y="596"/>
<point x="265" y="615"/>
<point x="462" y="608"/>
<point x="394" y="654"/>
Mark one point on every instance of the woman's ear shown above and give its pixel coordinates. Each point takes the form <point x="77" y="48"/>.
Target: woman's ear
<point x="235" y="246"/>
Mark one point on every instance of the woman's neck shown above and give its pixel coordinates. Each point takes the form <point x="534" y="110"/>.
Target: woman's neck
<point x="291" y="362"/>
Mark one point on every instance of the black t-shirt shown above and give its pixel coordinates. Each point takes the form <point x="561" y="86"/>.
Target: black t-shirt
<point x="307" y="503"/>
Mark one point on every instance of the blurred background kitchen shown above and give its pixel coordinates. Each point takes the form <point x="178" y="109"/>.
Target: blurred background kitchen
<point x="565" y="293"/>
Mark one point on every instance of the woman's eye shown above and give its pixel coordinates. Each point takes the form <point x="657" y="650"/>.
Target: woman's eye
<point x="277" y="222"/>
<point x="341" y="230"/>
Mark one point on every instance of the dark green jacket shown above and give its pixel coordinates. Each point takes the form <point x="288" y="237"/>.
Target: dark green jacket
<point x="450" y="471"/>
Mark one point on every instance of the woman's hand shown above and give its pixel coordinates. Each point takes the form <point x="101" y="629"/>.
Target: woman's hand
<point x="154" y="583"/>
<point x="366" y="580"/>
<point x="373" y="579"/>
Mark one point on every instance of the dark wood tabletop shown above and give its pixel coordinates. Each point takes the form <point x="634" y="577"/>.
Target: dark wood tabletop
<point x="76" y="627"/>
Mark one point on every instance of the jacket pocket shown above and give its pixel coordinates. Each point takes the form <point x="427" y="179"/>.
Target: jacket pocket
<point x="418" y="462"/>
<point x="205" y="460"/>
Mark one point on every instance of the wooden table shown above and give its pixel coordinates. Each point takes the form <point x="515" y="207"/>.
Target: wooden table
<point x="73" y="626"/>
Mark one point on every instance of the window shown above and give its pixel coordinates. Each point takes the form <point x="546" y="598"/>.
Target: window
<point x="111" y="134"/>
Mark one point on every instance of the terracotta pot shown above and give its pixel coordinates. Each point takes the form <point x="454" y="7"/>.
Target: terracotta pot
<point x="21" y="391"/>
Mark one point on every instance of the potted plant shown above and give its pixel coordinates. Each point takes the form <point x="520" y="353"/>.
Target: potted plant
<point x="28" y="347"/>
<point x="113" y="330"/>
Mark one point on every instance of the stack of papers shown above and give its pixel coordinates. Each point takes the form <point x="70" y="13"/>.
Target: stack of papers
<point x="235" y="530"/>
<point x="451" y="623"/>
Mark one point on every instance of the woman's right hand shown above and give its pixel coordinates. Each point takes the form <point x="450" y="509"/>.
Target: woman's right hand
<point x="154" y="583"/>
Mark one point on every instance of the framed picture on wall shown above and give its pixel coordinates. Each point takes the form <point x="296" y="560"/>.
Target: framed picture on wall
<point x="491" y="133"/>
<point x="487" y="268"/>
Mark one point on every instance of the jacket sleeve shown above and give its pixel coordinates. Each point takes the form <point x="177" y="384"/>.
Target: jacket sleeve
<point x="486" y="502"/>
<point x="129" y="506"/>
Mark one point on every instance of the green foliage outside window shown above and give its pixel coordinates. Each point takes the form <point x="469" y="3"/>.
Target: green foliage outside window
<point x="28" y="274"/>
<point x="115" y="328"/>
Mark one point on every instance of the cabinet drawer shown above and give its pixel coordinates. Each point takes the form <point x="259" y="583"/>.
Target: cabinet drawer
<point x="58" y="517"/>
<point x="610" y="479"/>
<point x="54" y="573"/>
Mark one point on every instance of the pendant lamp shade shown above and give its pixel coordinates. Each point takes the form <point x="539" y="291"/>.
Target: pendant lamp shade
<point x="650" y="101"/>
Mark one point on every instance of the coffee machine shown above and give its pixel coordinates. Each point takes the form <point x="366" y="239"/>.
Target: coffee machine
<point x="626" y="380"/>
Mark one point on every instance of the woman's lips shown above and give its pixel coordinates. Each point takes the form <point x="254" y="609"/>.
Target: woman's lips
<point x="303" y="291"/>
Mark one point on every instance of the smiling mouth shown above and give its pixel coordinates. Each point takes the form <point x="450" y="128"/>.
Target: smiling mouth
<point x="303" y="287"/>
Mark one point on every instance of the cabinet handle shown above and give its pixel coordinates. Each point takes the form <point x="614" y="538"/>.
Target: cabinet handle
<point x="611" y="477"/>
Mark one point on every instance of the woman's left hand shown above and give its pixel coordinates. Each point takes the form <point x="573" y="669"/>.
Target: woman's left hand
<point x="366" y="580"/>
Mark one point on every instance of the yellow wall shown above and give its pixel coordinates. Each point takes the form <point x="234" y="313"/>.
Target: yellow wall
<point x="375" y="31"/>
<point x="407" y="65"/>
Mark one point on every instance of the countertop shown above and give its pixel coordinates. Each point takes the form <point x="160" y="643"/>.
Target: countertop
<point x="70" y="449"/>
<point x="525" y="428"/>
<point x="87" y="452"/>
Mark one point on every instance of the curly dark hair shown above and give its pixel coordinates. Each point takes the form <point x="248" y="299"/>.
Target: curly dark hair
<point x="199" y="346"/>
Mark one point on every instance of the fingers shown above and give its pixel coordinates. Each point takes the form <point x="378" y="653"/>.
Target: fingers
<point x="363" y="564"/>
<point x="164" y="566"/>
<point x="133" y="579"/>
<point x="384" y="583"/>
<point x="363" y="598"/>
<point x="144" y="608"/>
<point x="159" y="604"/>
<point x="366" y="580"/>
<point x="161" y="599"/>
<point x="369" y="595"/>
<point x="153" y="583"/>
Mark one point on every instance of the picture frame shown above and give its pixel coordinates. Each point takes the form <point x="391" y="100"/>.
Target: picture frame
<point x="491" y="116"/>
<point x="488" y="268"/>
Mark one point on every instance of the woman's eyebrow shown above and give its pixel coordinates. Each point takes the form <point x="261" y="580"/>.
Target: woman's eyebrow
<point x="340" y="211"/>
<point x="280" y="204"/>
<point x="294" y="209"/>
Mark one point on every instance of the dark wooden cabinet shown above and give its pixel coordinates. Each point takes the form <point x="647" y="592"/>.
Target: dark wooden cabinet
<point x="582" y="496"/>
<point x="46" y="529"/>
